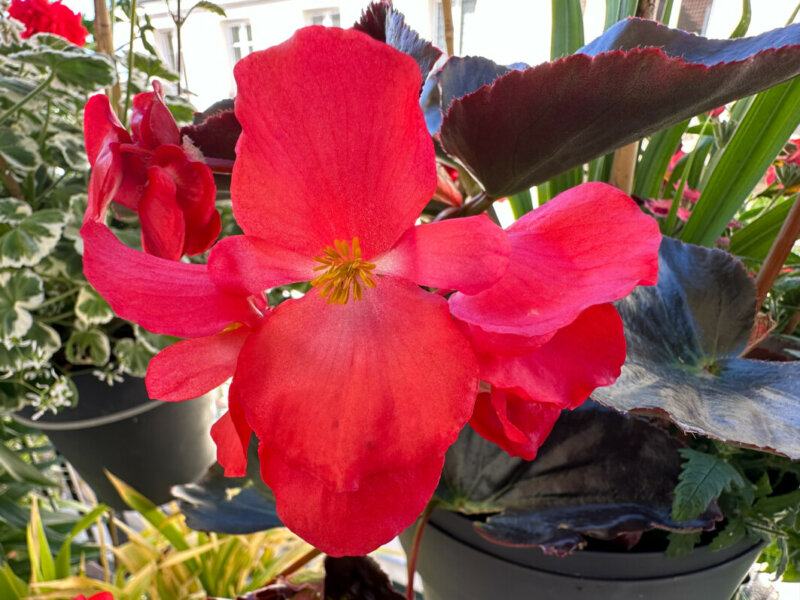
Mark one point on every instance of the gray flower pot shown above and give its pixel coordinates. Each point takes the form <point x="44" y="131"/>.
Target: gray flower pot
<point x="455" y="563"/>
<point x="149" y="444"/>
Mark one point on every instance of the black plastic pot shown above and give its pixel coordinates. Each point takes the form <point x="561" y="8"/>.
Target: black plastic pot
<point x="149" y="444"/>
<point x="455" y="563"/>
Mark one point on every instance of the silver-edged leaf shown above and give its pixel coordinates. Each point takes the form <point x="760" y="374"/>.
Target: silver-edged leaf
<point x="89" y="347"/>
<point x="91" y="307"/>
<point x="20" y="292"/>
<point x="31" y="239"/>
<point x="18" y="149"/>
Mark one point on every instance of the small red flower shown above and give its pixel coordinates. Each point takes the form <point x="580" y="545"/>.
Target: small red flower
<point x="789" y="157"/>
<point x="97" y="596"/>
<point x="40" y="16"/>
<point x="149" y="172"/>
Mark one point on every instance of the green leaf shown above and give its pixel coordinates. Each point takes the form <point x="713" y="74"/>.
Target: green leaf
<point x="567" y="28"/>
<point x="20" y="470"/>
<point x="702" y="480"/>
<point x="521" y="203"/>
<point x="33" y="238"/>
<point x="69" y="149"/>
<point x="20" y="291"/>
<point x="42" y="566"/>
<point x="19" y="150"/>
<point x="680" y="544"/>
<point x="72" y="65"/>
<point x="13" y="211"/>
<point x="737" y="168"/>
<point x="182" y="110"/>
<point x="732" y="533"/>
<point x="617" y="10"/>
<point x="210" y="7"/>
<point x="90" y="347"/>
<point x="755" y="239"/>
<point x="154" y="516"/>
<point x="152" y="67"/>
<point x="649" y="176"/>
<point x="133" y="357"/>
<point x="63" y="558"/>
<point x="744" y="22"/>
<point x="11" y="586"/>
<point x="91" y="307"/>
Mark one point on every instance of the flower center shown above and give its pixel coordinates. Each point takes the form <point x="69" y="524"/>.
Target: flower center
<point x="344" y="270"/>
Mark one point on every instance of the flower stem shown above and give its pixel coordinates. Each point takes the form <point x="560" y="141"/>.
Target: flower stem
<point x="35" y="91"/>
<point x="415" y="544"/>
<point x="778" y="253"/>
<point x="12" y="185"/>
<point x="130" y="64"/>
<point x="300" y="562"/>
<point x="447" y="20"/>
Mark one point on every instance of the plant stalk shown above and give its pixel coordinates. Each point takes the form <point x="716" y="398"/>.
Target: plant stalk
<point x="35" y="91"/>
<point x="415" y="544"/>
<point x="447" y="18"/>
<point x="178" y="26"/>
<point x="12" y="185"/>
<point x="296" y="565"/>
<point x="778" y="253"/>
<point x="624" y="165"/>
<point x="104" y="35"/>
<point x="129" y="86"/>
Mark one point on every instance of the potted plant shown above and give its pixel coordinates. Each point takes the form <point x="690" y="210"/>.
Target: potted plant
<point x="356" y="388"/>
<point x="61" y="340"/>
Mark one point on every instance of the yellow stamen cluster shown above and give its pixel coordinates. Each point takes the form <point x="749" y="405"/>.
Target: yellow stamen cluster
<point x="344" y="270"/>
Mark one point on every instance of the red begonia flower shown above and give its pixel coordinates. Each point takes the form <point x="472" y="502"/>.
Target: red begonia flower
<point x="516" y="424"/>
<point x="151" y="174"/>
<point x="97" y="596"/>
<point x="545" y="335"/>
<point x="40" y="16"/>
<point x="356" y="389"/>
<point x="558" y="267"/>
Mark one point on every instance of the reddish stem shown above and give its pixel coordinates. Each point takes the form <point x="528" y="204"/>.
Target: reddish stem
<point x="778" y="254"/>
<point x="412" y="558"/>
<point x="219" y="165"/>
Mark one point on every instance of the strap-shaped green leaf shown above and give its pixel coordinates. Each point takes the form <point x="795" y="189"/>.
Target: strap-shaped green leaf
<point x="737" y="168"/>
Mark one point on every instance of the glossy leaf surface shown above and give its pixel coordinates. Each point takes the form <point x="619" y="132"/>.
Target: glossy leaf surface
<point x="637" y="78"/>
<point x="684" y="338"/>
<point x="598" y="473"/>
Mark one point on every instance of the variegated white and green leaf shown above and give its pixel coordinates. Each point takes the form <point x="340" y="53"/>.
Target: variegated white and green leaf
<point x="88" y="347"/>
<point x="33" y="238"/>
<point x="20" y="292"/>
<point x="12" y="211"/>
<point x="154" y="342"/>
<point x="31" y="352"/>
<point x="77" y="208"/>
<point x="91" y="308"/>
<point x="133" y="357"/>
<point x="69" y="147"/>
<point x="19" y="150"/>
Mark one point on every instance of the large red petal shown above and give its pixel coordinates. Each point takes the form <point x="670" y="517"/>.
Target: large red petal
<point x="244" y="264"/>
<point x="333" y="143"/>
<point x="519" y="426"/>
<point x="582" y="356"/>
<point x="193" y="367"/>
<point x="460" y="254"/>
<point x="163" y="227"/>
<point x="325" y="386"/>
<point x="589" y="245"/>
<point x="151" y="122"/>
<point x="231" y="434"/>
<point x="163" y="296"/>
<point x="101" y="127"/>
<point x="350" y="523"/>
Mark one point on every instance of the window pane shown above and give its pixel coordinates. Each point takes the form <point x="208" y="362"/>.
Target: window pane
<point x="335" y="19"/>
<point x="317" y="19"/>
<point x="249" y="33"/>
<point x="235" y="34"/>
<point x="237" y="53"/>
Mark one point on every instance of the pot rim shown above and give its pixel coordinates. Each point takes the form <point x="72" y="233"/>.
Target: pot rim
<point x="89" y="423"/>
